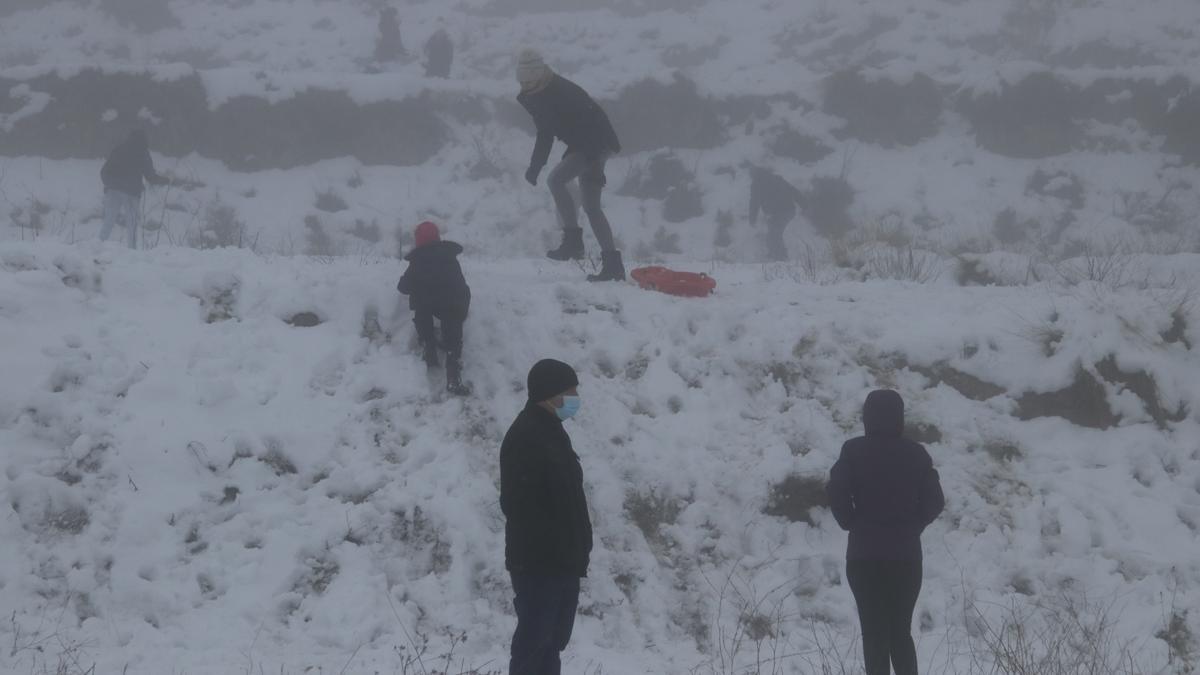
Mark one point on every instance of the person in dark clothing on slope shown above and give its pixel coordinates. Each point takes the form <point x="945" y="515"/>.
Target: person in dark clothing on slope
<point x="388" y="45"/>
<point x="562" y="110"/>
<point x="884" y="490"/>
<point x="547" y="530"/>
<point x="122" y="174"/>
<point x="435" y="287"/>
<point x="778" y="199"/>
<point x="439" y="54"/>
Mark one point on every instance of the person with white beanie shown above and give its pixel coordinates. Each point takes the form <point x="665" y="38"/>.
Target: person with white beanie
<point x="562" y="110"/>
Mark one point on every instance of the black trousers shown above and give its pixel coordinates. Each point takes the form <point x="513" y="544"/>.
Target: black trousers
<point x="452" y="330"/>
<point x="886" y="594"/>
<point x="545" y="607"/>
<point x="776" y="224"/>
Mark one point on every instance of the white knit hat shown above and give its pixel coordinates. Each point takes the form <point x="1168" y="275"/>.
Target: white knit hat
<point x="531" y="68"/>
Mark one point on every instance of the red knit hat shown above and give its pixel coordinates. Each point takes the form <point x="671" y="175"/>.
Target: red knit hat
<point x="427" y="233"/>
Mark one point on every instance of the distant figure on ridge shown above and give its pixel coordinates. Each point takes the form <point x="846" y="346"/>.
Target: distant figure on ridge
<point x="778" y="200"/>
<point x="439" y="54"/>
<point x="562" y="110"/>
<point x="122" y="175"/>
<point x="436" y="288"/>
<point x="884" y="490"/>
<point x="389" y="46"/>
<point x="547" y="529"/>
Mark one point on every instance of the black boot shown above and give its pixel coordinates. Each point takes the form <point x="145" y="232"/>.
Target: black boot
<point x="571" y="247"/>
<point x="611" y="267"/>
<point x="454" y="383"/>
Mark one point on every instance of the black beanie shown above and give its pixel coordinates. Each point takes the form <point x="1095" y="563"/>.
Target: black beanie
<point x="549" y="378"/>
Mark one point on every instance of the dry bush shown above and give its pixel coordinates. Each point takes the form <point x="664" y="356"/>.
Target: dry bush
<point x="1113" y="267"/>
<point x="748" y="631"/>
<point x="318" y="241"/>
<point x="220" y="228"/>
<point x="1069" y="634"/>
<point x="31" y="219"/>
<point x="904" y="264"/>
<point x="330" y="201"/>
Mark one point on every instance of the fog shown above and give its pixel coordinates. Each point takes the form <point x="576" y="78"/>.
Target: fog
<point x="234" y="449"/>
<point x="825" y="95"/>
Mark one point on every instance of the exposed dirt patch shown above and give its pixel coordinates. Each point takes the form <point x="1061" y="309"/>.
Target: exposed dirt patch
<point x="303" y="320"/>
<point x="1038" y="116"/>
<point x="1083" y="402"/>
<point x="964" y="383"/>
<point x="883" y="111"/>
<point x="1142" y="385"/>
<point x="796" y="496"/>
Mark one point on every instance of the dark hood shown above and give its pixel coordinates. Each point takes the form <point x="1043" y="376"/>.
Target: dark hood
<point x="883" y="413"/>
<point x="434" y="251"/>
<point x="137" y="140"/>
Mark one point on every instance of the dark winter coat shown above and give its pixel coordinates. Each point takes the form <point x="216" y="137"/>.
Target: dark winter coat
<point x="563" y="110"/>
<point x="127" y="165"/>
<point x="883" y="488"/>
<point x="547" y="529"/>
<point x="773" y="195"/>
<point x="434" y="280"/>
<point x="439" y="55"/>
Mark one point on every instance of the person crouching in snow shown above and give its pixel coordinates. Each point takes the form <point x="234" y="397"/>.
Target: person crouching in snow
<point x="562" y="109"/>
<point x="435" y="287"/>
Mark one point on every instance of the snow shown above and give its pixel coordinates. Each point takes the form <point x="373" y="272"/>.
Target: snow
<point x="34" y="103"/>
<point x="191" y="484"/>
<point x="226" y="468"/>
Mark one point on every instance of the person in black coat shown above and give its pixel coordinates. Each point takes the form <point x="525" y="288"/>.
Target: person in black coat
<point x="388" y="45"/>
<point x="884" y="491"/>
<point x="435" y="287"/>
<point x="562" y="109"/>
<point x="439" y="54"/>
<point x="123" y="173"/>
<point x="547" y="530"/>
<point x="777" y="199"/>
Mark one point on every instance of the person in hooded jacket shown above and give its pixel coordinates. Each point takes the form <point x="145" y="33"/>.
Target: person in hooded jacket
<point x="439" y="54"/>
<point x="562" y="109"/>
<point x="389" y="46"/>
<point x="776" y="198"/>
<point x="547" y="530"/>
<point x="884" y="491"/>
<point x="436" y="288"/>
<point x="122" y="175"/>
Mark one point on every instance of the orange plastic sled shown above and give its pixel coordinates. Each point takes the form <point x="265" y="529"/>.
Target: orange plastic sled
<point x="686" y="284"/>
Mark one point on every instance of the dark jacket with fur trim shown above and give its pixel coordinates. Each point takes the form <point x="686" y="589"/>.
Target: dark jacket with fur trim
<point x="434" y="281"/>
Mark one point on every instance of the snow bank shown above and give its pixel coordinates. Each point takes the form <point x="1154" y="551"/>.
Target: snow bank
<point x="191" y="483"/>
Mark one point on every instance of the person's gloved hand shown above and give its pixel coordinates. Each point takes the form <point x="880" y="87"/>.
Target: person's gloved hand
<point x="531" y="175"/>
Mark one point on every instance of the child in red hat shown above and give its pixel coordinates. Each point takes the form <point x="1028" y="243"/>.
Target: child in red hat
<point x="436" y="288"/>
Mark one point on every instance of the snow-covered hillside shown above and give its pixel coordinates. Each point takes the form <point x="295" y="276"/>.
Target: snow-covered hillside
<point x="1000" y="221"/>
<point x="193" y="484"/>
<point x="960" y="127"/>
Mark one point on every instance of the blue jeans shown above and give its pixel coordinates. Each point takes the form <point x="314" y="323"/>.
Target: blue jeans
<point x="545" y="607"/>
<point x="125" y="208"/>
<point x="589" y="174"/>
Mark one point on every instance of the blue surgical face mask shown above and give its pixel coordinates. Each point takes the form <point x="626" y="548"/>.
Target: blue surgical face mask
<point x="570" y="406"/>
